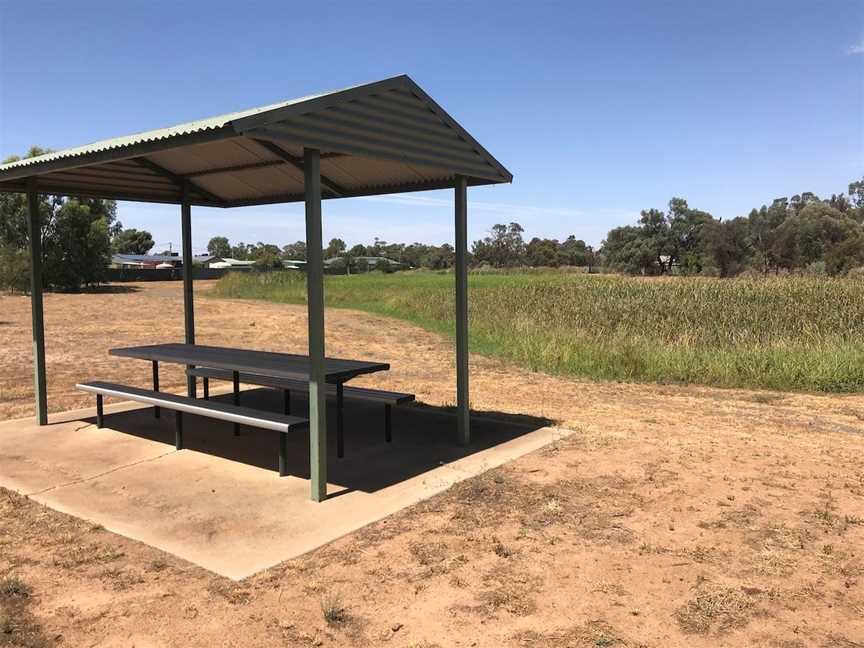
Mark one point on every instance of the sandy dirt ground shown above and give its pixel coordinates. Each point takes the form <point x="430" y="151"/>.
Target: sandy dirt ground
<point x="675" y="516"/>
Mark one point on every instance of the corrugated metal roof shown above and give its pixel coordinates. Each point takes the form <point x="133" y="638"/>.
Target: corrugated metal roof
<point x="383" y="137"/>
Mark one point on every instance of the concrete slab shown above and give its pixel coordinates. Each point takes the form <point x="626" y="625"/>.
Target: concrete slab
<point x="219" y="503"/>
<point x="35" y="459"/>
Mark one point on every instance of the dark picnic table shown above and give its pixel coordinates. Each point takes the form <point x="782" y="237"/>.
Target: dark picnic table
<point x="337" y="371"/>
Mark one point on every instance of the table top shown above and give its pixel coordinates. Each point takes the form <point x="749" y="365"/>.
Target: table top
<point x="265" y="363"/>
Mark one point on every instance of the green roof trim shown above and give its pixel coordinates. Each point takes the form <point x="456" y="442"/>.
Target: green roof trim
<point x="186" y="128"/>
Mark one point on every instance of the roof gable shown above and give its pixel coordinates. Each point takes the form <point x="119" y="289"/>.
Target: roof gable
<point x="381" y="137"/>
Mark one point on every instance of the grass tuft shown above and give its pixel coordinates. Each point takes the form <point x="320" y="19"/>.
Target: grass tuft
<point x="13" y="587"/>
<point x="719" y="607"/>
<point x="333" y="609"/>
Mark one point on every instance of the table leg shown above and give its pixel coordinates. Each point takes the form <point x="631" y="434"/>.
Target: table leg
<point x="100" y="416"/>
<point x="340" y="423"/>
<point x="236" y="376"/>
<point x="191" y="383"/>
<point x="156" y="410"/>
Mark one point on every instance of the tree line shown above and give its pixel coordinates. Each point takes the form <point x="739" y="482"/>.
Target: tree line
<point x="803" y="234"/>
<point x="503" y="248"/>
<point x="413" y="255"/>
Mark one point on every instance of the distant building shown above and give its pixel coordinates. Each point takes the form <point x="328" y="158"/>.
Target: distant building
<point x="233" y="264"/>
<point x="206" y="260"/>
<point x="339" y="265"/>
<point x="384" y="264"/>
<point x="146" y="261"/>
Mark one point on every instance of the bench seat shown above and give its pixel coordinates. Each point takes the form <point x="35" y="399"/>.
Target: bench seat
<point x="278" y="422"/>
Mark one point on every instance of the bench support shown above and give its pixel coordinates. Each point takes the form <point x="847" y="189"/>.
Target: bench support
<point x="100" y="414"/>
<point x="283" y="455"/>
<point x="156" y="411"/>
<point x="286" y="398"/>
<point x="236" y="380"/>
<point x="206" y="382"/>
<point x="340" y="420"/>
<point x="178" y="430"/>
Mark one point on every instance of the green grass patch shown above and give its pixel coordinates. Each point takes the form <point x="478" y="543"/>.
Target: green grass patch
<point x="789" y="333"/>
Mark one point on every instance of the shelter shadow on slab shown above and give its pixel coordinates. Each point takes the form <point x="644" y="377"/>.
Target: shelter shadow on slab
<point x="424" y="437"/>
<point x="110" y="289"/>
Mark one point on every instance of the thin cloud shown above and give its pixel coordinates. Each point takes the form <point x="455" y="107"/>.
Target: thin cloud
<point x="509" y="209"/>
<point x="858" y="48"/>
<point x="403" y="218"/>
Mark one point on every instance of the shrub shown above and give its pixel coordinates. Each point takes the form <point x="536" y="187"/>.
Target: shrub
<point x="815" y="269"/>
<point x="14" y="269"/>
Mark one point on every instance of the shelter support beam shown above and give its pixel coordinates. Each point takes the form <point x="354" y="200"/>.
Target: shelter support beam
<point x="297" y="163"/>
<point x="286" y="160"/>
<point x="463" y="424"/>
<point x="188" y="303"/>
<point x="315" y="301"/>
<point x="178" y="180"/>
<point x="34" y="230"/>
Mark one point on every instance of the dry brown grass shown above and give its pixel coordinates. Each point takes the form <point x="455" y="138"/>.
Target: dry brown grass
<point x="18" y="626"/>
<point x="594" y="634"/>
<point x="717" y="607"/>
<point x="674" y="516"/>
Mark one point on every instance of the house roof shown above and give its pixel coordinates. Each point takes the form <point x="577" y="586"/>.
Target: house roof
<point x="383" y="137"/>
<point x="341" y="259"/>
<point x="237" y="262"/>
<point x="146" y="258"/>
<point x="378" y="259"/>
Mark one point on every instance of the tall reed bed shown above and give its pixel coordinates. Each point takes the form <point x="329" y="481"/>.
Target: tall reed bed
<point x="780" y="333"/>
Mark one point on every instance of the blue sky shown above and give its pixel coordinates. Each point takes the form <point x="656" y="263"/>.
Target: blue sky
<point x="599" y="109"/>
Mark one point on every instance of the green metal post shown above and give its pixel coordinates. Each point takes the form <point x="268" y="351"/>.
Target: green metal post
<point x="34" y="230"/>
<point x="188" y="305"/>
<point x="315" y="300"/>
<point x="463" y="423"/>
